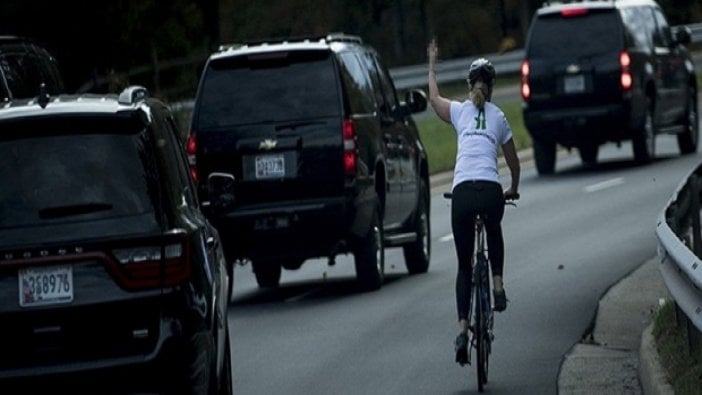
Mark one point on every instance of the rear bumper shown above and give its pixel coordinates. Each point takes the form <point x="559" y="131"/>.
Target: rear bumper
<point x="138" y="337"/>
<point x="297" y="230"/>
<point x="572" y="127"/>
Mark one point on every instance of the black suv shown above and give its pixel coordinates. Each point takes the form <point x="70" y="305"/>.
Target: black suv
<point x="607" y="71"/>
<point x="24" y="67"/>
<point x="106" y="262"/>
<point x="324" y="157"/>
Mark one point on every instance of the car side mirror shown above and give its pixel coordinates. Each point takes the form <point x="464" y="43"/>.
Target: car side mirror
<point x="220" y="190"/>
<point x="416" y="99"/>
<point x="683" y="35"/>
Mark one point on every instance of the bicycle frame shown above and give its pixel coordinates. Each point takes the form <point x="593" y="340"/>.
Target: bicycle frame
<point x="480" y="311"/>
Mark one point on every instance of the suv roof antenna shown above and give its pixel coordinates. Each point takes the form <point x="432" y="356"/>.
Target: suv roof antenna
<point x="43" y="98"/>
<point x="132" y="94"/>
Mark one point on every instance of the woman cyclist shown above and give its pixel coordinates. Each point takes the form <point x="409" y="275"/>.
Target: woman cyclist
<point x="482" y="129"/>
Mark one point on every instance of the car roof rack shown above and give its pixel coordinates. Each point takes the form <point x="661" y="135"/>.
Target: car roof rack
<point x="328" y="38"/>
<point x="132" y="94"/>
<point x="548" y="2"/>
<point x="343" y="37"/>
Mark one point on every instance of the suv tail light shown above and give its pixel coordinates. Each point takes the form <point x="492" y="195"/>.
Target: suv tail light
<point x="191" y="150"/>
<point x="153" y="266"/>
<point x="625" y="80"/>
<point x="526" y="89"/>
<point x="350" y="152"/>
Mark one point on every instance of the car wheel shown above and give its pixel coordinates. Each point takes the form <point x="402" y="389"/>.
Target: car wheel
<point x="418" y="252"/>
<point x="230" y="274"/>
<point x="225" y="379"/>
<point x="369" y="255"/>
<point x="545" y="156"/>
<point x="644" y="141"/>
<point x="687" y="140"/>
<point x="267" y="272"/>
<point x="200" y="364"/>
<point x="588" y="153"/>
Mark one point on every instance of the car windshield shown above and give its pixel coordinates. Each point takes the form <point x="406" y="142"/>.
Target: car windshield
<point x="282" y="86"/>
<point x="74" y="177"/>
<point x="577" y="36"/>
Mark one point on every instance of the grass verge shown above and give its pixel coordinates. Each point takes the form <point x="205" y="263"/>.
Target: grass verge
<point x="683" y="371"/>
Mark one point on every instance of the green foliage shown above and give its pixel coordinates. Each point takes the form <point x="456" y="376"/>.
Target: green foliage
<point x="683" y="371"/>
<point x="439" y="139"/>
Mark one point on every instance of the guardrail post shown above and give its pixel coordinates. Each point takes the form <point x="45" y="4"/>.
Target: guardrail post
<point x="694" y="340"/>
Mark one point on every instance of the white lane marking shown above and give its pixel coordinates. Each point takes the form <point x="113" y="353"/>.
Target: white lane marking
<point x="604" y="185"/>
<point x="446" y="238"/>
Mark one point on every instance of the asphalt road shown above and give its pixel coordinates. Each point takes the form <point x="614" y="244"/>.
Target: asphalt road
<point x="572" y="236"/>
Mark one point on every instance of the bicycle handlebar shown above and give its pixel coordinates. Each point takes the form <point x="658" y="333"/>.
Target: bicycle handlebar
<point x="508" y="198"/>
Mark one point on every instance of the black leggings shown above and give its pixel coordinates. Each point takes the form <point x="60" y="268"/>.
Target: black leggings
<point x="471" y="198"/>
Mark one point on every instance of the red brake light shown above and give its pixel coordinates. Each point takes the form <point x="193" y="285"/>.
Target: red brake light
<point x="624" y="59"/>
<point x="570" y="12"/>
<point x="350" y="153"/>
<point x="526" y="90"/>
<point x="625" y="80"/>
<point x="191" y="151"/>
<point x="152" y="266"/>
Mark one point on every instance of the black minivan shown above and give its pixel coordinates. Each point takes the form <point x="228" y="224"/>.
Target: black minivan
<point x="598" y="72"/>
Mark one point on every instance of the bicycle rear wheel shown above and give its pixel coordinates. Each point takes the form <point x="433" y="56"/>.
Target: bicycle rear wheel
<point x="482" y="346"/>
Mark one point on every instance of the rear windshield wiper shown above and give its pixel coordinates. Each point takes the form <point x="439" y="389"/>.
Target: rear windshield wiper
<point x="296" y="124"/>
<point x="73" y="210"/>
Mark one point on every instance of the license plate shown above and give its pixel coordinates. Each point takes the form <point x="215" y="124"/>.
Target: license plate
<point x="270" y="166"/>
<point x="574" y="84"/>
<point x="40" y="286"/>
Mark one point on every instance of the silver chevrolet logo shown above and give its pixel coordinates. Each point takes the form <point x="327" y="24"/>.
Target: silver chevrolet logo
<point x="573" y="69"/>
<point x="268" y="144"/>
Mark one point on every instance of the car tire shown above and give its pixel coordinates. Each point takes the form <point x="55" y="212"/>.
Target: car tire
<point x="687" y="140"/>
<point x="230" y="275"/>
<point x="226" y="384"/>
<point x="644" y="141"/>
<point x="200" y="364"/>
<point x="418" y="253"/>
<point x="545" y="156"/>
<point x="369" y="255"/>
<point x="267" y="272"/>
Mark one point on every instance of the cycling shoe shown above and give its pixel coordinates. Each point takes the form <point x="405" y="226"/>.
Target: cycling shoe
<point x="500" y="300"/>
<point x="461" y="345"/>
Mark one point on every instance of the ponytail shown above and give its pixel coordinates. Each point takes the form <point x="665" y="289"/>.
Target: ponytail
<point x="477" y="94"/>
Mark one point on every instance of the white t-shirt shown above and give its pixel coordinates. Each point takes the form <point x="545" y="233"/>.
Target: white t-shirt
<point x="480" y="133"/>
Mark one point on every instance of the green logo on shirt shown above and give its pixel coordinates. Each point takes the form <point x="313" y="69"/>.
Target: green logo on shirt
<point x="480" y="120"/>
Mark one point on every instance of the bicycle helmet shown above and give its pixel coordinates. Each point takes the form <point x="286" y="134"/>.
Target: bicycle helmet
<point x="481" y="67"/>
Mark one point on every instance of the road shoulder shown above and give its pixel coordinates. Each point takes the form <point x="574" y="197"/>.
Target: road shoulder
<point x="610" y="361"/>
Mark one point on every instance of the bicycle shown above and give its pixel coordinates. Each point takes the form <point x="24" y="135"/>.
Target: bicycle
<point x="481" y="335"/>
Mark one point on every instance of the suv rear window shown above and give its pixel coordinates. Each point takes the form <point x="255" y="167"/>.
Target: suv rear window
<point x="556" y="36"/>
<point x="74" y="177"/>
<point x="274" y="87"/>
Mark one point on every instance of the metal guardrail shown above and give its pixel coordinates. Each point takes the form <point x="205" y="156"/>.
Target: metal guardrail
<point x="409" y="77"/>
<point x="680" y="247"/>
